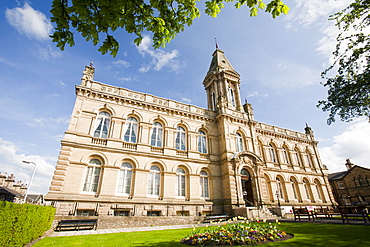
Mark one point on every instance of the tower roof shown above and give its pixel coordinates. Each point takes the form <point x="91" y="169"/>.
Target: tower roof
<point x="220" y="63"/>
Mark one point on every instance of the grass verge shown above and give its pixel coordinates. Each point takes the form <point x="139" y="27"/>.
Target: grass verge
<point x="305" y="234"/>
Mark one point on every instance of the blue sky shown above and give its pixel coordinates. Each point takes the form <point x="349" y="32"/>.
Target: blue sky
<point x="279" y="60"/>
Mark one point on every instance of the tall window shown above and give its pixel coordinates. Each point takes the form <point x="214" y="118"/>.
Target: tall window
<point x="297" y="158"/>
<point x="102" y="125"/>
<point x="318" y="189"/>
<point x="154" y="180"/>
<point x="285" y="156"/>
<point x="180" y="139"/>
<point x="231" y="96"/>
<point x="294" y="188"/>
<point x="180" y="182"/>
<point x="213" y="100"/>
<point x="131" y="130"/>
<point x="92" y="176"/>
<point x="202" y="142"/>
<point x="307" y="189"/>
<point x="124" y="181"/>
<point x="308" y="158"/>
<point x="239" y="142"/>
<point x="279" y="188"/>
<point x="272" y="153"/>
<point x="157" y="135"/>
<point x="204" y="188"/>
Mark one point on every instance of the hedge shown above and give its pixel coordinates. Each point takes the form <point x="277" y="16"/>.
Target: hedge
<point x="22" y="223"/>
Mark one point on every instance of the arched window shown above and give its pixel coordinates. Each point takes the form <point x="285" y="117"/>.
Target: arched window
<point x="239" y="142"/>
<point x="231" y="96"/>
<point x="318" y="189"/>
<point x="180" y="141"/>
<point x="279" y="188"/>
<point x="306" y="186"/>
<point x="285" y="156"/>
<point x="157" y="135"/>
<point x="92" y="176"/>
<point x="180" y="182"/>
<point x="202" y="142"/>
<point x="308" y="158"/>
<point x="272" y="153"/>
<point x="154" y="180"/>
<point x="131" y="130"/>
<point x="294" y="188"/>
<point x="204" y="186"/>
<point x="297" y="157"/>
<point x="124" y="180"/>
<point x="102" y="125"/>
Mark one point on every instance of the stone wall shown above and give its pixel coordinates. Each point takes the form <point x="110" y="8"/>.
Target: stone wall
<point x="111" y="222"/>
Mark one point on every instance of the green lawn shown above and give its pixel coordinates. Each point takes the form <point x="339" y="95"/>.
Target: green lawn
<point x="305" y="234"/>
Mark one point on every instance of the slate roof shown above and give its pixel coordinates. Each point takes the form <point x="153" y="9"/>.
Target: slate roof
<point x="5" y="190"/>
<point x="337" y="175"/>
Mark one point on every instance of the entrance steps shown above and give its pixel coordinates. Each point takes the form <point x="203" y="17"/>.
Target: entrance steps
<point x="254" y="212"/>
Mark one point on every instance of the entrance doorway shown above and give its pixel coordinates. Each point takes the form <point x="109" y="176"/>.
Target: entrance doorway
<point x="247" y="187"/>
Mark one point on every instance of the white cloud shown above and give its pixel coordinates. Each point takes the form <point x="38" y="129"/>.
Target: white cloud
<point x="51" y="121"/>
<point x="11" y="163"/>
<point x="187" y="100"/>
<point x="122" y="63"/>
<point x="353" y="143"/>
<point x="29" y="21"/>
<point x="160" y="58"/>
<point x="4" y="61"/>
<point x="62" y="83"/>
<point x="315" y="14"/>
<point x="46" y="52"/>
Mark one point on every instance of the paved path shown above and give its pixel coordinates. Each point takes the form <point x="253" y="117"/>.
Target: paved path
<point x="154" y="228"/>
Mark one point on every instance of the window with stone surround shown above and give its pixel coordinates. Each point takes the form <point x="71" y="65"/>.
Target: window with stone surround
<point x="239" y="142"/>
<point x="157" y="135"/>
<point x="92" y="176"/>
<point x="124" y="180"/>
<point x="204" y="184"/>
<point x="102" y="123"/>
<point x="154" y="180"/>
<point x="272" y="153"/>
<point x="180" y="183"/>
<point x="131" y="130"/>
<point x="180" y="141"/>
<point x="202" y="142"/>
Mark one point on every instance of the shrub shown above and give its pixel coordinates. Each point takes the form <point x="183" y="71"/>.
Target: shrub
<point x="23" y="223"/>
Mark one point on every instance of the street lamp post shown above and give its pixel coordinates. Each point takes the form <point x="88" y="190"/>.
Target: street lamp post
<point x="33" y="173"/>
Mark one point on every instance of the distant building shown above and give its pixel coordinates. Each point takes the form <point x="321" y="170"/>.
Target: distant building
<point x="351" y="187"/>
<point x="127" y="153"/>
<point x="9" y="190"/>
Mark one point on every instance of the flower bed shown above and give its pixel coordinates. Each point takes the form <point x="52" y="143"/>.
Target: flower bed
<point x="239" y="231"/>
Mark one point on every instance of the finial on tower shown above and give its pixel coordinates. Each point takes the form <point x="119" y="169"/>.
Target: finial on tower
<point x="216" y="43"/>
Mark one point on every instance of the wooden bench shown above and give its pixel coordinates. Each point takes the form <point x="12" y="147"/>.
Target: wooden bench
<point x="302" y="213"/>
<point x="73" y="225"/>
<point x="326" y="212"/>
<point x="355" y="212"/>
<point x="215" y="217"/>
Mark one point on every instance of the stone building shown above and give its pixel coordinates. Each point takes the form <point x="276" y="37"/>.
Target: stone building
<point x="127" y="153"/>
<point x="351" y="187"/>
<point x="10" y="190"/>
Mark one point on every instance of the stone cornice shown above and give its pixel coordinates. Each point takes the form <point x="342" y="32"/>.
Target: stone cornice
<point x="122" y="96"/>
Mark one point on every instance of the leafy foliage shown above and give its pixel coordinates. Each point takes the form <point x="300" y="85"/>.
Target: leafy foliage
<point x="349" y="90"/>
<point x="163" y="18"/>
<point x="22" y="223"/>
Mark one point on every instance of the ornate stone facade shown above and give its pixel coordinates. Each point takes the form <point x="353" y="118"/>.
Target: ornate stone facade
<point x="134" y="154"/>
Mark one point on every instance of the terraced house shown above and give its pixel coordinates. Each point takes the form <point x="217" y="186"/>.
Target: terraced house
<point x="127" y="153"/>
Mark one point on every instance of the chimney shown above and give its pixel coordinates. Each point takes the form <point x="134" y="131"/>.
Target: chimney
<point x="2" y="179"/>
<point x="9" y="181"/>
<point x="349" y="164"/>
